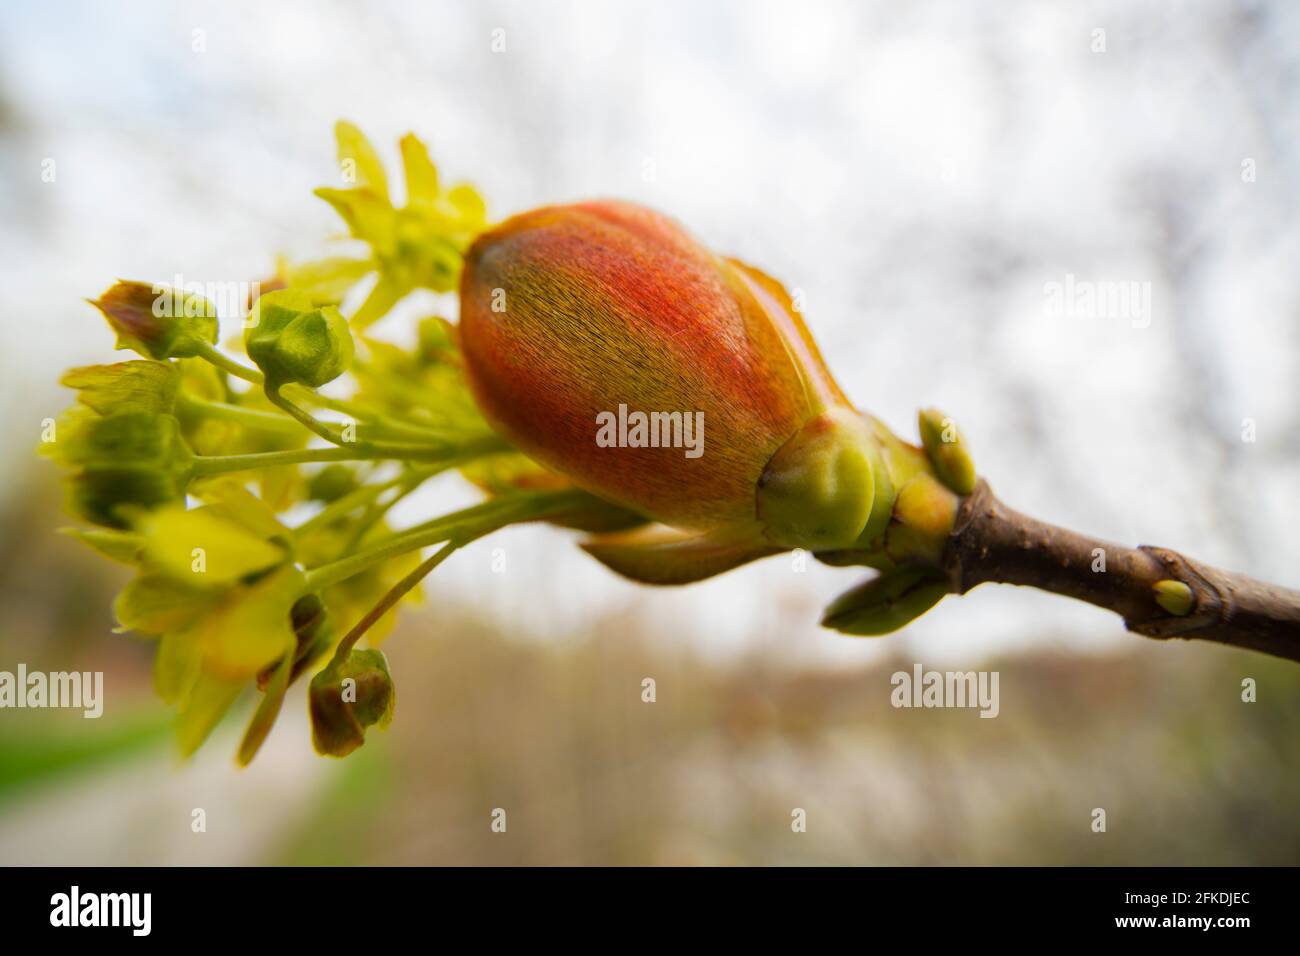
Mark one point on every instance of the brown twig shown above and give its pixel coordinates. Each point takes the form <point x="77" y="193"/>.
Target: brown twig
<point x="992" y="543"/>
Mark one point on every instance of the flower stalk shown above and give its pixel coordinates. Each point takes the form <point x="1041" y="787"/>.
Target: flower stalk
<point x="460" y="526"/>
<point x="209" y="465"/>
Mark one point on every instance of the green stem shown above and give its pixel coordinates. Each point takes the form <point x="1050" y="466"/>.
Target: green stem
<point x="374" y="513"/>
<point x="402" y="451"/>
<point x="476" y="521"/>
<point x="342" y="506"/>
<point x="248" y="417"/>
<point x="374" y="419"/>
<point x="306" y="419"/>
<point x="395" y="594"/>
<point x="367" y="494"/>
<point x="268" y="421"/>
<point x="207" y="465"/>
<point x="223" y="361"/>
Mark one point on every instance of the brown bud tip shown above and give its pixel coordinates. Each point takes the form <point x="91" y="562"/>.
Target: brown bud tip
<point x="346" y="698"/>
<point x="157" y="321"/>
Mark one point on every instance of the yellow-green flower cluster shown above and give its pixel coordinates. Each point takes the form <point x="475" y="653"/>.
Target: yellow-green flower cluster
<point x="253" y="508"/>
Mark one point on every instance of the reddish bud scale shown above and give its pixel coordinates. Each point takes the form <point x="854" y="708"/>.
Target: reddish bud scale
<point x="568" y="312"/>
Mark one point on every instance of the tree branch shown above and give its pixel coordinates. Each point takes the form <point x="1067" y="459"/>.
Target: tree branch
<point x="992" y="543"/>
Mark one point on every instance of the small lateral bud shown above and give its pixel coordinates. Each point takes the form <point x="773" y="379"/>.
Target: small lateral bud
<point x="947" y="451"/>
<point x="1174" y="596"/>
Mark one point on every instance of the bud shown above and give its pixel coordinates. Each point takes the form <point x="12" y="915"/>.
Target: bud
<point x="947" y="451"/>
<point x="346" y="698"/>
<point x="313" y="630"/>
<point x="925" y="511"/>
<point x="331" y="483"/>
<point x="573" y="312"/>
<point x="157" y="321"/>
<point x="291" y="340"/>
<point x="818" y="490"/>
<point x="1174" y="596"/>
<point x="886" y="603"/>
<point x="132" y="458"/>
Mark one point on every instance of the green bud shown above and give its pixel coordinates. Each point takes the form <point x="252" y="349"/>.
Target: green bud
<point x="886" y="603"/>
<point x="346" y="698"/>
<point x="331" y="483"/>
<point x="1174" y="596"/>
<point x="292" y="340"/>
<point x="157" y="321"/>
<point x="947" y="451"/>
<point x="133" y="458"/>
<point x="818" y="490"/>
<point x="925" y="512"/>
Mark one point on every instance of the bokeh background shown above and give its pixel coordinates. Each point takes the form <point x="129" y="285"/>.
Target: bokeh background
<point x="921" y="172"/>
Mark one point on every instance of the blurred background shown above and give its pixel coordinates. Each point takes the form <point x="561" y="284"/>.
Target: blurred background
<point x="925" y="174"/>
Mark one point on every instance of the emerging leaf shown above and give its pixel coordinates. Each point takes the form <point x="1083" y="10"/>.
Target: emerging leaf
<point x="887" y="602"/>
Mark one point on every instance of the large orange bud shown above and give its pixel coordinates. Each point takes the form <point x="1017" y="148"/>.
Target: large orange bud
<point x="569" y="312"/>
<point x="609" y="345"/>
